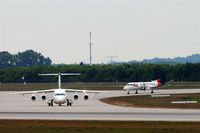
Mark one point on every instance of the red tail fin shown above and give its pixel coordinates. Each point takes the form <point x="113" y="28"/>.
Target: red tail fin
<point x="159" y="82"/>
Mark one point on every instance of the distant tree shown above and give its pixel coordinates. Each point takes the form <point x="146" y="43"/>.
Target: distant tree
<point x="6" y="59"/>
<point x="105" y="73"/>
<point x="27" y="58"/>
<point x="81" y="63"/>
<point x="32" y="58"/>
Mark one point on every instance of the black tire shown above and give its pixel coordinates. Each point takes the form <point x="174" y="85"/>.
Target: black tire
<point x="52" y="102"/>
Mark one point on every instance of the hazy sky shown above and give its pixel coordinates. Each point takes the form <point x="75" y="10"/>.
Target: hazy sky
<point x="129" y="29"/>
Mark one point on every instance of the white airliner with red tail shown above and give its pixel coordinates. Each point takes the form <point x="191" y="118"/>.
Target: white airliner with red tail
<point x="135" y="86"/>
<point x="59" y="94"/>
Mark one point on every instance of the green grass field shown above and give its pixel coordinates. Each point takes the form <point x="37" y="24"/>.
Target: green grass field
<point x="77" y="85"/>
<point x="89" y="86"/>
<point x="44" y="126"/>
<point x="156" y="102"/>
<point x="181" y="85"/>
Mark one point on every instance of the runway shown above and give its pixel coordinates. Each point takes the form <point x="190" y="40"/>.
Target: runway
<point x="102" y="116"/>
<point x="21" y="107"/>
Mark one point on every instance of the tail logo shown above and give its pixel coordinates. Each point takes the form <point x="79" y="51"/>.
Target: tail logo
<point x="158" y="82"/>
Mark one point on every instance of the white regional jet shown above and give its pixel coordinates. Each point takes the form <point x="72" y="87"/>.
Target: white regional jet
<point x="141" y="86"/>
<point x="59" y="95"/>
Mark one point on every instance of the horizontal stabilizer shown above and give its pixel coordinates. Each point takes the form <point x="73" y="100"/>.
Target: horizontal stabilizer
<point x="56" y="74"/>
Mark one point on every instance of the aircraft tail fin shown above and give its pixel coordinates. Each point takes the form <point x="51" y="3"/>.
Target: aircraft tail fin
<point x="56" y="74"/>
<point x="59" y="76"/>
<point x="158" y="82"/>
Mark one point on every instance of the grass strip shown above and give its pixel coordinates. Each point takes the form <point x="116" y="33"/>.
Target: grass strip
<point x="156" y="102"/>
<point x="54" y="126"/>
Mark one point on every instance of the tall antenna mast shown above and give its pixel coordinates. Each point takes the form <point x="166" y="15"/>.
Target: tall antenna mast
<point x="111" y="58"/>
<point x="90" y="45"/>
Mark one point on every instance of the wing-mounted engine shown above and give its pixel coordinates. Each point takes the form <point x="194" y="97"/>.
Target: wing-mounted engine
<point x="33" y="98"/>
<point x="146" y="88"/>
<point x="143" y="86"/>
<point x="86" y="96"/>
<point x="44" y="97"/>
<point x="75" y="97"/>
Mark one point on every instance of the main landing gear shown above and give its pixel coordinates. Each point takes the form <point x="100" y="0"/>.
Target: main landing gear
<point x="69" y="102"/>
<point x="50" y="102"/>
<point x="136" y="92"/>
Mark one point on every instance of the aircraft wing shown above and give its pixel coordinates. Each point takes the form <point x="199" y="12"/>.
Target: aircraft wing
<point x="85" y="91"/>
<point x="169" y="82"/>
<point x="166" y="84"/>
<point x="33" y="92"/>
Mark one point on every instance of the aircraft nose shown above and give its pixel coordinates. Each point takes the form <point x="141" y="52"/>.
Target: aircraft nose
<point x="60" y="99"/>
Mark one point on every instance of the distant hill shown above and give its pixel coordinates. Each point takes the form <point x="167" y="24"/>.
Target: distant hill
<point x="195" y="58"/>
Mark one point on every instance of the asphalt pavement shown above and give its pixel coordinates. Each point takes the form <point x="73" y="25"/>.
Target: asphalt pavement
<point x="22" y="107"/>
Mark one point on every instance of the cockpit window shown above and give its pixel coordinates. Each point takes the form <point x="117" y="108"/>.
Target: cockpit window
<point x="59" y="94"/>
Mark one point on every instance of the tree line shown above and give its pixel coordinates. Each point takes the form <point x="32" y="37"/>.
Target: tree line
<point x="105" y="73"/>
<point x="26" y="58"/>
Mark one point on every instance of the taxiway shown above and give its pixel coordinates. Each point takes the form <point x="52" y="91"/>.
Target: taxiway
<point x="21" y="107"/>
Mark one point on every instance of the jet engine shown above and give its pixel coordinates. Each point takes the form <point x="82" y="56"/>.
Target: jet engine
<point x="86" y="97"/>
<point x="75" y="97"/>
<point x="44" y="97"/>
<point x="33" y="98"/>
